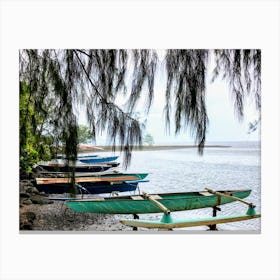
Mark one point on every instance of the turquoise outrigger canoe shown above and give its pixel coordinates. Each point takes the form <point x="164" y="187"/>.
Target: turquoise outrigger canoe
<point x="138" y="204"/>
<point x="167" y="222"/>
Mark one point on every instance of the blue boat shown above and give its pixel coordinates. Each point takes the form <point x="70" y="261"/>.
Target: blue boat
<point x="86" y="156"/>
<point x="97" y="159"/>
<point x="91" y="188"/>
<point x="108" y="187"/>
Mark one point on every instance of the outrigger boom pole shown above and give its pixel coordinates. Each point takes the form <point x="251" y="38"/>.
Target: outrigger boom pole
<point x="231" y="197"/>
<point x="251" y="210"/>
<point x="158" y="204"/>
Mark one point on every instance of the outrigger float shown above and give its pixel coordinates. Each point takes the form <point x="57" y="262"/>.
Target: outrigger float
<point x="167" y="203"/>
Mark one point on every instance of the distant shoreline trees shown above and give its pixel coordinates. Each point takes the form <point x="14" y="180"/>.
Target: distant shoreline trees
<point x="148" y="139"/>
<point x="84" y="134"/>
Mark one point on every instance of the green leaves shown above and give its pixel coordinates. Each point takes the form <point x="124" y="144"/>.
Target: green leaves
<point x="28" y="157"/>
<point x="84" y="134"/>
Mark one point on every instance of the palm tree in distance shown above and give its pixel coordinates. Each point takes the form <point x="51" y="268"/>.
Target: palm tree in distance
<point x="93" y="79"/>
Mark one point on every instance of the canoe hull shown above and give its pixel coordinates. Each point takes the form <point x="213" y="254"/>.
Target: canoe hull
<point x="115" y="177"/>
<point x="133" y="205"/>
<point x="81" y="168"/>
<point x="188" y="223"/>
<point x="92" y="188"/>
<point x="97" y="160"/>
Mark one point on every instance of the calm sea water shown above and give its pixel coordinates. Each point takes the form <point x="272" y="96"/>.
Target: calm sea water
<point x="182" y="170"/>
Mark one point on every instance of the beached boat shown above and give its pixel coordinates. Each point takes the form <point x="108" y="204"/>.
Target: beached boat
<point x="167" y="222"/>
<point x="86" y="156"/>
<point x="61" y="167"/>
<point x="115" y="177"/>
<point x="78" y="157"/>
<point x="139" y="204"/>
<point x="51" y="174"/>
<point x="90" y="188"/>
<point x="97" y="159"/>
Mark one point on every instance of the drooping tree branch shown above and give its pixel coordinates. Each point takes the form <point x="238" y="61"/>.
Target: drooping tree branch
<point x="242" y="69"/>
<point x="94" y="78"/>
<point x="120" y="125"/>
<point x="186" y="72"/>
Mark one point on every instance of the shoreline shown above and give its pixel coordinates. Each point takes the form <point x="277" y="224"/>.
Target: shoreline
<point x="155" y="148"/>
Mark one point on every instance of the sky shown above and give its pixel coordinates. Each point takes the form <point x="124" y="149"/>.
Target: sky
<point x="223" y="124"/>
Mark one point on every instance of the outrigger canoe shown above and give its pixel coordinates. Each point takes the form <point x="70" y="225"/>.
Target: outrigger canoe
<point x="79" y="156"/>
<point x="90" y="188"/>
<point x="50" y="174"/>
<point x="138" y="204"/>
<point x="61" y="167"/>
<point x="167" y="222"/>
<point x="117" y="177"/>
<point x="97" y="159"/>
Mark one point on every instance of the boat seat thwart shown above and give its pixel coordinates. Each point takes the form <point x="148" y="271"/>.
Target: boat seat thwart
<point x="137" y="197"/>
<point x="205" y="193"/>
<point x="140" y="197"/>
<point x="155" y="196"/>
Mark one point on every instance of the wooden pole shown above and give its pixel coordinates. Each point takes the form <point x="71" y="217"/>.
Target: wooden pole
<point x="157" y="203"/>
<point x="231" y="197"/>
<point x="135" y="217"/>
<point x="215" y="209"/>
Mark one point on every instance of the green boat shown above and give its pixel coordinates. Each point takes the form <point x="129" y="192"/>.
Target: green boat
<point x="138" y="204"/>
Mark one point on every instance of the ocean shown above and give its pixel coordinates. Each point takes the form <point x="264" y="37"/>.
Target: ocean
<point x="220" y="168"/>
